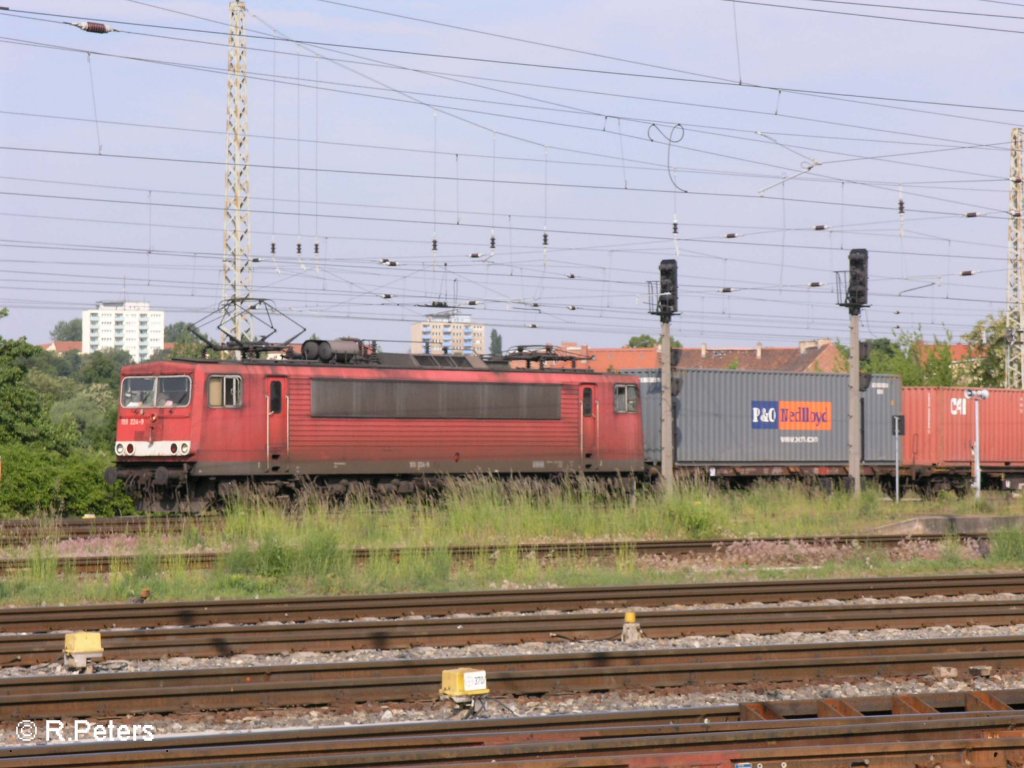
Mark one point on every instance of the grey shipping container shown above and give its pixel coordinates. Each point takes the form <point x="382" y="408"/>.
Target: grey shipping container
<point x="731" y="418"/>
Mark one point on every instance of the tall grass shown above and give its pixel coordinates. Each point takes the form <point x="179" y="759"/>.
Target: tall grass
<point x="305" y="546"/>
<point x="1007" y="546"/>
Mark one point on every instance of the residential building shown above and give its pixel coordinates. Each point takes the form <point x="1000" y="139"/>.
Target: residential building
<point x="814" y="356"/>
<point x="62" y="347"/>
<point x="128" y="325"/>
<point x="448" y="332"/>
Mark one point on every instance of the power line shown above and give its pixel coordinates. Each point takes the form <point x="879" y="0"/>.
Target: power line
<point x="464" y="180"/>
<point x="878" y="16"/>
<point x="701" y="80"/>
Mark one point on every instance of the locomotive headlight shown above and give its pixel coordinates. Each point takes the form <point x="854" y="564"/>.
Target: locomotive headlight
<point x="185" y="448"/>
<point x="129" y="449"/>
<point x="119" y="449"/>
<point x="174" y="447"/>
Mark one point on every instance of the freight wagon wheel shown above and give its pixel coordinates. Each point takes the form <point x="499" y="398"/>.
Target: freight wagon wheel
<point x="960" y="486"/>
<point x="827" y="484"/>
<point x="932" y="487"/>
<point x="888" y="486"/>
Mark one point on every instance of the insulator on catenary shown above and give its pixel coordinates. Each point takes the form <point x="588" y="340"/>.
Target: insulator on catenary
<point x="93" y="26"/>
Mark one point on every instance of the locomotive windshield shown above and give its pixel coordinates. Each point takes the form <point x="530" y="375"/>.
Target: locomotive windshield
<point x="156" y="391"/>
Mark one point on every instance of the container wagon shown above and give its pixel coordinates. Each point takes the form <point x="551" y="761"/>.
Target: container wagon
<point x="938" y="447"/>
<point x="746" y="424"/>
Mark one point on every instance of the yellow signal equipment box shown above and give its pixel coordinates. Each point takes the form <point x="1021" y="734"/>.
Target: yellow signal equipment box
<point x="464" y="681"/>
<point x="83" y="642"/>
<point x="81" y="649"/>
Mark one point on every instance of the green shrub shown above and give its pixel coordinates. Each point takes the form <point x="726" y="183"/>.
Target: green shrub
<point x="39" y="481"/>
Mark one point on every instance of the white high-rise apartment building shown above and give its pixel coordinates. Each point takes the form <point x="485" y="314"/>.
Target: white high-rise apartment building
<point x="448" y="332"/>
<point x="128" y="325"/>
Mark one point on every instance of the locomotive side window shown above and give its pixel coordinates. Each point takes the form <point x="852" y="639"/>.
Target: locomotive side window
<point x="159" y="391"/>
<point x="376" y="399"/>
<point x="588" y="402"/>
<point x="626" y="398"/>
<point x="275" y="397"/>
<point x="224" y="392"/>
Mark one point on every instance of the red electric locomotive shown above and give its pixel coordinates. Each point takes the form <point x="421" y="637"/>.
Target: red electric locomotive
<point x="190" y="430"/>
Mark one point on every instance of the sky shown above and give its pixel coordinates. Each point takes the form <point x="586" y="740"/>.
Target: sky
<point x="755" y="142"/>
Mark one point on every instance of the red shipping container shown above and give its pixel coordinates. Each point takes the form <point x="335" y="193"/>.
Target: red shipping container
<point x="940" y="428"/>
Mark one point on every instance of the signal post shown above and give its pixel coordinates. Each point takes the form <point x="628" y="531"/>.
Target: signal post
<point x="667" y="304"/>
<point x="856" y="298"/>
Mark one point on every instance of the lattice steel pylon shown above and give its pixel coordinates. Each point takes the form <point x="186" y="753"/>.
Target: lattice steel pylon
<point x="1015" y="270"/>
<point x="237" y="283"/>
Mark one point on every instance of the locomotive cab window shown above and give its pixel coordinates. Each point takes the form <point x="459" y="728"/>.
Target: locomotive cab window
<point x="626" y="398"/>
<point x="158" y="391"/>
<point x="138" y="391"/>
<point x="224" y="391"/>
<point x="173" y="391"/>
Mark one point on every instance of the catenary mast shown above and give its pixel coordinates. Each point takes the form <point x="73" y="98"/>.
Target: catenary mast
<point x="1015" y="268"/>
<point x="237" y="282"/>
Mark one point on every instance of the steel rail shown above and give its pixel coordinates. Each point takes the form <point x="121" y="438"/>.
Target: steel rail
<point x="584" y="549"/>
<point x="97" y="617"/>
<point x="108" y="563"/>
<point x="29" y="530"/>
<point x="465" y="631"/>
<point x="816" y="728"/>
<point x="352" y="683"/>
<point x="17" y="531"/>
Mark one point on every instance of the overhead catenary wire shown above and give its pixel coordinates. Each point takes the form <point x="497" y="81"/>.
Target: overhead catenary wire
<point x="583" y="239"/>
<point x="701" y="80"/>
<point x="514" y="182"/>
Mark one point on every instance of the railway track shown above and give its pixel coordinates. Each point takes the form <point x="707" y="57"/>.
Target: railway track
<point x="30" y="530"/>
<point x="353" y="607"/>
<point x="593" y="549"/>
<point x="347" y="685"/>
<point x="46" y="648"/>
<point x="902" y="730"/>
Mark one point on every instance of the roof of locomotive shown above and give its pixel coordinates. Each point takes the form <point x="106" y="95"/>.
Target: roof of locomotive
<point x="379" y="361"/>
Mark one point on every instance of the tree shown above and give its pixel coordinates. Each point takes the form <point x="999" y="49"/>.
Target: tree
<point x="177" y="332"/>
<point x="90" y="413"/>
<point x="104" y="367"/>
<point x="23" y="409"/>
<point x="642" y="341"/>
<point x="47" y="421"/>
<point x="908" y="356"/>
<point x="186" y="343"/>
<point x="67" y="330"/>
<point x="645" y="341"/>
<point x="496" y="345"/>
<point x="986" y="357"/>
